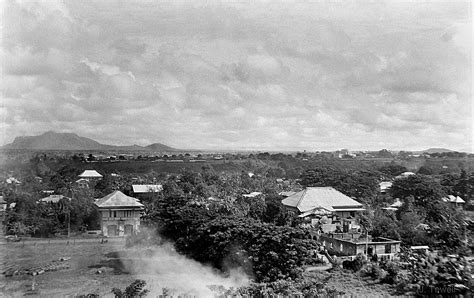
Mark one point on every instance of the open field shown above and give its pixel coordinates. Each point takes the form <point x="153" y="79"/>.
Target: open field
<point x="80" y="278"/>
<point x="161" y="267"/>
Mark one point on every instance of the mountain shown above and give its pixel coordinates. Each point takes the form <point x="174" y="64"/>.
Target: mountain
<point x="159" y="147"/>
<point x="437" y="150"/>
<point x="70" y="141"/>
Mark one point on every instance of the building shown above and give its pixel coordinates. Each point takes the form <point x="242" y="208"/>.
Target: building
<point x="90" y="174"/>
<point x="384" y="186"/>
<point x="53" y="199"/>
<point x="119" y="214"/>
<point x="322" y="201"/>
<point x="353" y="244"/>
<point x="405" y="175"/>
<point x="394" y="207"/>
<point x="252" y="194"/>
<point x="455" y="201"/>
<point x="146" y="190"/>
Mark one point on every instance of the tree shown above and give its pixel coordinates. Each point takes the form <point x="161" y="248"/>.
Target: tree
<point x="385" y="225"/>
<point x="424" y="189"/>
<point x="135" y="289"/>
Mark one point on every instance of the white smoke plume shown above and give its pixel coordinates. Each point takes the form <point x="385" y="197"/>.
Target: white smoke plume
<point x="162" y="267"/>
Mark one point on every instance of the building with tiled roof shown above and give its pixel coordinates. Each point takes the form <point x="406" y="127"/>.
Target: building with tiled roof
<point x="322" y="200"/>
<point x="120" y="214"/>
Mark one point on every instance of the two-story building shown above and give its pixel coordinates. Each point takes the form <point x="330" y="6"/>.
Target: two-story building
<point x="317" y="202"/>
<point x="119" y="214"/>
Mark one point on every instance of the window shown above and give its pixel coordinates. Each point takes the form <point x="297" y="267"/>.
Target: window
<point x="388" y="248"/>
<point x="110" y="213"/>
<point x="115" y="213"/>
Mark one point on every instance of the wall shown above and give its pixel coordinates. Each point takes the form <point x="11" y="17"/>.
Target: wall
<point x="119" y="222"/>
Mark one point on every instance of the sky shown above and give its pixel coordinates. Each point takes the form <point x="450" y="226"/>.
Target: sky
<point x="257" y="75"/>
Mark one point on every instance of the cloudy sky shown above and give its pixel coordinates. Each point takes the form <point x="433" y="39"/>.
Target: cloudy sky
<point x="293" y="75"/>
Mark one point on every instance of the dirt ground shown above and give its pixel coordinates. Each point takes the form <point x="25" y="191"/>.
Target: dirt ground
<point x="87" y="257"/>
<point x="118" y="267"/>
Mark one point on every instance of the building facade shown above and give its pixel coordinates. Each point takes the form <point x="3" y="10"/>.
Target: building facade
<point x="119" y="214"/>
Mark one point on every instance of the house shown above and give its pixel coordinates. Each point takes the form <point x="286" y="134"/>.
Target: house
<point x="119" y="214"/>
<point x="82" y="183"/>
<point x="90" y="174"/>
<point x="322" y="200"/>
<point x="405" y="175"/>
<point x="53" y="199"/>
<point x="456" y="202"/>
<point x="384" y="186"/>
<point x="394" y="206"/>
<point x="354" y="244"/>
<point x="252" y="194"/>
<point x="146" y="190"/>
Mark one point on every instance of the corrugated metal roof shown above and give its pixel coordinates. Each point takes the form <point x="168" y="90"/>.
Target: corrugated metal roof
<point x="90" y="174"/>
<point x="118" y="199"/>
<point x="146" y="188"/>
<point x="320" y="197"/>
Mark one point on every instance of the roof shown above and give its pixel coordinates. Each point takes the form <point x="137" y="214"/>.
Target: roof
<point x="118" y="199"/>
<point x="252" y="194"/>
<point x="397" y="203"/>
<point x="90" y="174"/>
<point x="54" y="199"/>
<point x="404" y="175"/>
<point x="287" y="193"/>
<point x="321" y="197"/>
<point x="384" y="185"/>
<point x="146" y="188"/>
<point x="453" y="199"/>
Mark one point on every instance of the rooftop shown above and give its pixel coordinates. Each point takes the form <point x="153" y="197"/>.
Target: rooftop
<point x="54" y="199"/>
<point x="147" y="188"/>
<point x="118" y="199"/>
<point x="90" y="174"/>
<point x="326" y="198"/>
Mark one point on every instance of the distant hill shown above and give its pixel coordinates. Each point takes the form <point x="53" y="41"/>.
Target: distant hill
<point x="70" y="141"/>
<point x="159" y="147"/>
<point x="437" y="150"/>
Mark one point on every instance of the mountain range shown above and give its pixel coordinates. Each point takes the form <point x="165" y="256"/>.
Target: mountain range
<point x="70" y="141"/>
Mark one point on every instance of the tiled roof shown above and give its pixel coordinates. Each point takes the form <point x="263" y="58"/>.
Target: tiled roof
<point x="118" y="199"/>
<point x="320" y="197"/>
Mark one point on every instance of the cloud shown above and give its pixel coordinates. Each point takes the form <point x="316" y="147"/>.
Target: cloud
<point x="313" y="76"/>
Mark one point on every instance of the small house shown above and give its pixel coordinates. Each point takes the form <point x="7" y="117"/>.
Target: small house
<point x="90" y="174"/>
<point x="119" y="214"/>
<point x="146" y="190"/>
<point x="455" y="201"/>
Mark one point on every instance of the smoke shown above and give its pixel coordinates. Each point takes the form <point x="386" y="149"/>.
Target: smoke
<point x="162" y="267"/>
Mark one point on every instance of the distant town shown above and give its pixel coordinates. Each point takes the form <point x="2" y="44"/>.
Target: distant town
<point x="337" y="215"/>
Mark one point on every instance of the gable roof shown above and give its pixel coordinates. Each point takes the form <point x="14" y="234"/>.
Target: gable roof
<point x="147" y="188"/>
<point x="90" y="174"/>
<point x="321" y="198"/>
<point x="453" y="199"/>
<point x="118" y="199"/>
